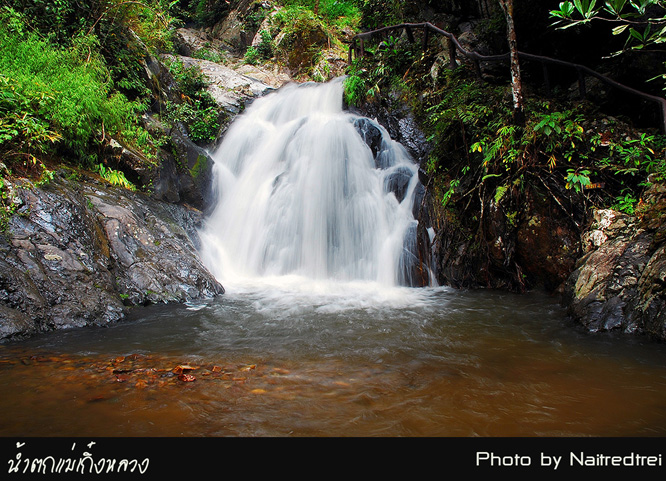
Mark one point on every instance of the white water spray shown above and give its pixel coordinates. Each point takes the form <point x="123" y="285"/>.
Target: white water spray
<point x="301" y="195"/>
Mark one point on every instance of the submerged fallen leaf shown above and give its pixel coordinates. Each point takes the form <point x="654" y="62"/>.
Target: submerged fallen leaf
<point x="183" y="368"/>
<point x="187" y="378"/>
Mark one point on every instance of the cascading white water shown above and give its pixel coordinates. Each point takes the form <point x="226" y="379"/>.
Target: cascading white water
<point x="301" y="193"/>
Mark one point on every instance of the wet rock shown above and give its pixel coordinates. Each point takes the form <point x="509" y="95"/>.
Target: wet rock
<point x="78" y="253"/>
<point x="620" y="283"/>
<point x="370" y="133"/>
<point x="396" y="117"/>
<point x="397" y="182"/>
<point x="415" y="261"/>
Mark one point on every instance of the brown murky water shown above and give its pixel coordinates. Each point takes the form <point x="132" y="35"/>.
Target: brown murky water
<point x="436" y="363"/>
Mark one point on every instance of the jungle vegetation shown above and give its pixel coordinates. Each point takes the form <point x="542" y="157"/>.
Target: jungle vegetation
<point x="71" y="77"/>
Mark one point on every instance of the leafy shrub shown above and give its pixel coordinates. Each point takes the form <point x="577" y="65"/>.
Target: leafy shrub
<point x="265" y="47"/>
<point x="114" y="177"/>
<point x="22" y="132"/>
<point x="210" y="54"/>
<point x="52" y="94"/>
<point x="199" y="111"/>
<point x="387" y="67"/>
<point x="333" y="12"/>
<point x="191" y="80"/>
<point x="251" y="56"/>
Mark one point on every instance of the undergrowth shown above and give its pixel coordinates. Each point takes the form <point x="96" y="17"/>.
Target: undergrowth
<point x="478" y="148"/>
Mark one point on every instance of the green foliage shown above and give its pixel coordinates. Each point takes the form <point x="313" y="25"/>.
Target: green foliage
<point x="475" y="142"/>
<point x="251" y="56"/>
<point x="210" y="54"/>
<point x="23" y="132"/>
<point x="59" y="21"/>
<point x="191" y="80"/>
<point x="114" y="177"/>
<point x="448" y="194"/>
<point x="577" y="179"/>
<point x="366" y="78"/>
<point x="202" y="123"/>
<point x="51" y="94"/>
<point x="642" y="22"/>
<point x="333" y="12"/>
<point x="626" y="202"/>
<point x="206" y="12"/>
<point x="641" y="156"/>
<point x="198" y="112"/>
<point x="355" y="90"/>
<point x="379" y="13"/>
<point x="263" y="51"/>
<point x="265" y="47"/>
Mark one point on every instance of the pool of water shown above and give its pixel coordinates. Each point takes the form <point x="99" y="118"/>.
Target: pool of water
<point x="345" y="360"/>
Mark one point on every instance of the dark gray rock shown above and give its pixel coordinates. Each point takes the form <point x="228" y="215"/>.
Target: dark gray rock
<point x="395" y="115"/>
<point x="370" y="133"/>
<point x="398" y="182"/>
<point x="620" y="283"/>
<point x="79" y="252"/>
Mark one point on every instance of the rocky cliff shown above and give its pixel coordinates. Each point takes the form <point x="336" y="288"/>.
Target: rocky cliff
<point x="79" y="252"/>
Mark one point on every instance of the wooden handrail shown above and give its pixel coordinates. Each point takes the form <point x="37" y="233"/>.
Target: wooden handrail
<point x="476" y="57"/>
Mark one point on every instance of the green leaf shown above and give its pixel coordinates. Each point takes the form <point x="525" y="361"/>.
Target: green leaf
<point x="620" y="29"/>
<point x="615" y="6"/>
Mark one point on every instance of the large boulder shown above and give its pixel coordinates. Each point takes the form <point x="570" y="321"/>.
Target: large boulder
<point x="80" y="252"/>
<point x="620" y="283"/>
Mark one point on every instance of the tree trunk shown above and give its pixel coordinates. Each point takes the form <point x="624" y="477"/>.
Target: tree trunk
<point x="516" y="82"/>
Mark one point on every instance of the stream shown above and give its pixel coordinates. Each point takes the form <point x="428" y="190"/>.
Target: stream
<point x="359" y="360"/>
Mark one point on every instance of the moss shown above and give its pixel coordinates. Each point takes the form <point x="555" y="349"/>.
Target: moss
<point x="199" y="167"/>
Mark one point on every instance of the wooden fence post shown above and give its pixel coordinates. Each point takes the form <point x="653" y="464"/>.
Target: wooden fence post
<point x="410" y="35"/>
<point x="452" y="54"/>
<point x="581" y="83"/>
<point x="546" y="77"/>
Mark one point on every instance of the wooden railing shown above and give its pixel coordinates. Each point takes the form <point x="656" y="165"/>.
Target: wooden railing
<point x="357" y="47"/>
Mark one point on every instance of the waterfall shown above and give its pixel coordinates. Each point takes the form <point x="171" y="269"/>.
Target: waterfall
<point x="305" y="188"/>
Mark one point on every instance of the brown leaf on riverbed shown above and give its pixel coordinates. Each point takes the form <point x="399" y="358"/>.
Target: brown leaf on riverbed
<point x="187" y="378"/>
<point x="183" y="368"/>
